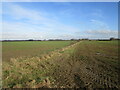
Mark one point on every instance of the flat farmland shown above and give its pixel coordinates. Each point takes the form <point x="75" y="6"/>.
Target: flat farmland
<point x="30" y="48"/>
<point x="83" y="64"/>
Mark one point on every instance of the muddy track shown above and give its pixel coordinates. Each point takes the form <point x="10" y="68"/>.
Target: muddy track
<point x="78" y="72"/>
<point x="90" y="72"/>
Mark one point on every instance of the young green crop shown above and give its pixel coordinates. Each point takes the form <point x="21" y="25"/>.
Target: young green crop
<point x="30" y="48"/>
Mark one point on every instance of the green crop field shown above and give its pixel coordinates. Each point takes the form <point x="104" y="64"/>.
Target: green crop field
<point x="65" y="64"/>
<point x="30" y="48"/>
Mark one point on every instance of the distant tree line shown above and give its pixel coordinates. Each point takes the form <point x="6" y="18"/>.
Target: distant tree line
<point x="110" y="39"/>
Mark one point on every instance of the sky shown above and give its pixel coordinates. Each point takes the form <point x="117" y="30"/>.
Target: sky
<point x="59" y="20"/>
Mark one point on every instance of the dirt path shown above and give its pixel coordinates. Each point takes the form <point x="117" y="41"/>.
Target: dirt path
<point x="57" y="52"/>
<point x="83" y="71"/>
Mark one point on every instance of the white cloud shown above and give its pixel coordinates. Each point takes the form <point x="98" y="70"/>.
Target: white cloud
<point x="36" y="24"/>
<point x="43" y="25"/>
<point x="97" y="34"/>
<point x="20" y="31"/>
<point x="18" y="12"/>
<point x="24" y="36"/>
<point x="109" y="32"/>
<point x="97" y="24"/>
<point x="101" y="30"/>
<point x="25" y="31"/>
<point x="102" y="33"/>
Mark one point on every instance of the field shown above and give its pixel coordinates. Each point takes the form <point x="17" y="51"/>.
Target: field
<point x="30" y="49"/>
<point x="61" y="64"/>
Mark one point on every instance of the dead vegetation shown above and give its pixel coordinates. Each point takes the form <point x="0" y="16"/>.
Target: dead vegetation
<point x="75" y="66"/>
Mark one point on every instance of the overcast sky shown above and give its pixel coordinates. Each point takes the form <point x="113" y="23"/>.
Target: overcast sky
<point x="59" y="20"/>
